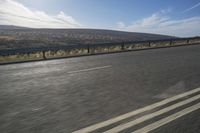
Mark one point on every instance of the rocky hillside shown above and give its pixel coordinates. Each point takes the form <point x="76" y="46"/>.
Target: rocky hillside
<point x="20" y="37"/>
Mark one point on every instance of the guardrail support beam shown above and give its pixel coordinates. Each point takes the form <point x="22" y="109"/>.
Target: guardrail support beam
<point x="88" y="49"/>
<point x="122" y="46"/>
<point x="43" y="54"/>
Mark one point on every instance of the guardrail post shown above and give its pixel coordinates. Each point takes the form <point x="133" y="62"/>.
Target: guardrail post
<point x="122" y="46"/>
<point x="170" y="43"/>
<point x="43" y="54"/>
<point x="188" y="41"/>
<point x="88" y="48"/>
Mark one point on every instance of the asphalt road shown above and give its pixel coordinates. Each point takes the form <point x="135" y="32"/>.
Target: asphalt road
<point x="66" y="95"/>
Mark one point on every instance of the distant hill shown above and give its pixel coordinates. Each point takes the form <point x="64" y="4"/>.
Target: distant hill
<point x="11" y="27"/>
<point x="21" y="37"/>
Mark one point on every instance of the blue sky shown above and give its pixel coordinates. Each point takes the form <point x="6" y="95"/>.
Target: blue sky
<point x="173" y="17"/>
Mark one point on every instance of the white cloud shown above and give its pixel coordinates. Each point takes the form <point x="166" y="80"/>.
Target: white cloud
<point x="159" y="23"/>
<point x="120" y="25"/>
<point x="191" y="8"/>
<point x="15" y="13"/>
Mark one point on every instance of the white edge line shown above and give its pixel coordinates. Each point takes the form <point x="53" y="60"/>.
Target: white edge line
<point x="89" y="69"/>
<point x="168" y="119"/>
<point x="130" y="114"/>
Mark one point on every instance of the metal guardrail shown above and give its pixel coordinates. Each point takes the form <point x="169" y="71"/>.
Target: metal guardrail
<point x="86" y="46"/>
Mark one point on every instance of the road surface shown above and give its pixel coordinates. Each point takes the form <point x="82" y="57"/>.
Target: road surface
<point x="120" y="92"/>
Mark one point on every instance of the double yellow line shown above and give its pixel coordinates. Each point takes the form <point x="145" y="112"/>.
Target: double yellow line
<point x="144" y="118"/>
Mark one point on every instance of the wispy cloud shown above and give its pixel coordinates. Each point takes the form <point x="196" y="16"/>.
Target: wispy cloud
<point x="15" y="13"/>
<point x="191" y="8"/>
<point x="161" y="23"/>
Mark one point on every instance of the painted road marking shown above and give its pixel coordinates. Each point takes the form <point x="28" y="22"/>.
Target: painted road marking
<point x="89" y="69"/>
<point x="133" y="113"/>
<point x="150" y="116"/>
<point x="168" y="119"/>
